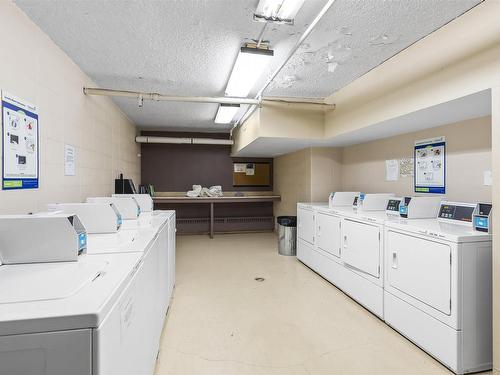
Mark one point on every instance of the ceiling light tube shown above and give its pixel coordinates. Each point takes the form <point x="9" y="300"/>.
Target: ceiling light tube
<point x="226" y="113"/>
<point x="281" y="11"/>
<point x="247" y="69"/>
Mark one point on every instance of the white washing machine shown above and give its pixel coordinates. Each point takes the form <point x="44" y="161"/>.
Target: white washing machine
<point x="438" y="286"/>
<point x="155" y="228"/>
<point x="52" y="314"/>
<point x="100" y="315"/>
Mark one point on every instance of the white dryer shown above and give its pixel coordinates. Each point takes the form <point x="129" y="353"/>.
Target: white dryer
<point x="362" y="249"/>
<point x="308" y="251"/>
<point x="438" y="286"/>
<point x="319" y="239"/>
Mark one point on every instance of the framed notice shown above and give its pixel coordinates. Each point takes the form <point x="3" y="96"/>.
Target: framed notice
<point x="20" y="155"/>
<point x="430" y="166"/>
<point x="252" y="174"/>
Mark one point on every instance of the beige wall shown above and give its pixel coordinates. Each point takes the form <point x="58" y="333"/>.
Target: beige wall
<point x="311" y="174"/>
<point x="468" y="155"/>
<point x="35" y="69"/>
<point x="247" y="132"/>
<point x="308" y="175"/>
<point x="280" y="120"/>
<point x="496" y="226"/>
<point x="326" y="172"/>
<point x="290" y="121"/>
<point x="292" y="180"/>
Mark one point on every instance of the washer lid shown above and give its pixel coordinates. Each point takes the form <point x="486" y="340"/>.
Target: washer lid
<point x="46" y="281"/>
<point x="440" y="230"/>
<point x="111" y="242"/>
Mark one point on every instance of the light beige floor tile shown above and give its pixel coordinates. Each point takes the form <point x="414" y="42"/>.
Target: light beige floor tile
<point x="222" y="321"/>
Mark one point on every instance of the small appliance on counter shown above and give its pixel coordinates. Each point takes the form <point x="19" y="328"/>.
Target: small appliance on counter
<point x="124" y="185"/>
<point x="41" y="238"/>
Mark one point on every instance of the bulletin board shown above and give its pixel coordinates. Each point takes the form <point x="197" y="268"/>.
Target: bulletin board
<point x="430" y="166"/>
<point x="20" y="156"/>
<point x="251" y="174"/>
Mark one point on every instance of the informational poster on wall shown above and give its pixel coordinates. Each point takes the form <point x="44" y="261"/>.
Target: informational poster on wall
<point x="430" y="166"/>
<point x="20" y="166"/>
<point x="69" y="160"/>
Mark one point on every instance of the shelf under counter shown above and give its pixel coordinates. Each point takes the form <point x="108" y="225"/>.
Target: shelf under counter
<point x="238" y="220"/>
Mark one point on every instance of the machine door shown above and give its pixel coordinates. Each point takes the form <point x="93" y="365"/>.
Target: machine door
<point x="171" y="256"/>
<point x="127" y="342"/>
<point x="361" y="246"/>
<point x="421" y="269"/>
<point x="328" y="233"/>
<point x="47" y="353"/>
<point x="305" y="224"/>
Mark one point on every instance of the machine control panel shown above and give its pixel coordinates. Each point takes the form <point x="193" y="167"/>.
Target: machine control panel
<point x="393" y="206"/>
<point x="119" y="219"/>
<point x="456" y="212"/>
<point x="482" y="217"/>
<point x="81" y="233"/>
<point x="403" y="206"/>
<point x="358" y="200"/>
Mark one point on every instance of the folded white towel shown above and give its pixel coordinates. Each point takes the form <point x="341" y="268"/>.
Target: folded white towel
<point x="195" y="192"/>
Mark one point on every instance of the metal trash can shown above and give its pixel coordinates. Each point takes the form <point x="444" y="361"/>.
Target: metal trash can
<point x="287" y="235"/>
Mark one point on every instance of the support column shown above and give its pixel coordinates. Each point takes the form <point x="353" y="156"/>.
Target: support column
<point x="495" y="154"/>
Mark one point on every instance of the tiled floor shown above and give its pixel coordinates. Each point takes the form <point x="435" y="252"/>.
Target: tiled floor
<point x="223" y="322"/>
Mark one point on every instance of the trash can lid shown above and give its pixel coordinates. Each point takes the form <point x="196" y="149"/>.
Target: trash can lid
<point x="287" y="221"/>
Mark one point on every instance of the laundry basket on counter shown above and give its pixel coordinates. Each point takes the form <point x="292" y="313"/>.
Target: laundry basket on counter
<point x="287" y="235"/>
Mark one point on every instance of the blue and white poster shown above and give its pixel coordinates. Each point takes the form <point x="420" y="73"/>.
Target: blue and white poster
<point x="430" y="166"/>
<point x="20" y="154"/>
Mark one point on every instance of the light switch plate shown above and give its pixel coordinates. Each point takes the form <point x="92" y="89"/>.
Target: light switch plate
<point x="488" y="180"/>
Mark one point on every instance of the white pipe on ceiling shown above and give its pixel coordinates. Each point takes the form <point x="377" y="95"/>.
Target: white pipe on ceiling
<point x="168" y="98"/>
<point x="174" y="140"/>
<point x="303" y="37"/>
<point x="199" y="99"/>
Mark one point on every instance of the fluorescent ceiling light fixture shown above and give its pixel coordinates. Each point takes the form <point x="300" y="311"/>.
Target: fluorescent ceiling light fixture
<point x="226" y="113"/>
<point x="247" y="69"/>
<point x="281" y="11"/>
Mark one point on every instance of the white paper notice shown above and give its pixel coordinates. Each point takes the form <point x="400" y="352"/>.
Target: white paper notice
<point x="391" y="170"/>
<point x="240" y="167"/>
<point x="69" y="160"/>
<point x="250" y="170"/>
<point x="488" y="179"/>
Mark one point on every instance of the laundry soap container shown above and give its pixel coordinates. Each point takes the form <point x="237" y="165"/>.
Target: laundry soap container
<point x="287" y="235"/>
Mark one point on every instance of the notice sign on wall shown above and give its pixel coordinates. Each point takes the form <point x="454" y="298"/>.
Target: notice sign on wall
<point x="430" y="166"/>
<point x="20" y="144"/>
<point x="69" y="160"/>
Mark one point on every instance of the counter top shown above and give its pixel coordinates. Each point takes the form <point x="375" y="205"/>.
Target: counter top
<point x="224" y="199"/>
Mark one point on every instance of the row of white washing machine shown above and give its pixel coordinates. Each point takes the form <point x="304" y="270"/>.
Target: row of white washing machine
<point x="101" y="313"/>
<point x="430" y="279"/>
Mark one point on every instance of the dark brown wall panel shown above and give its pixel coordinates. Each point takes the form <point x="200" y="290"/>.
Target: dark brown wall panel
<point x="171" y="167"/>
